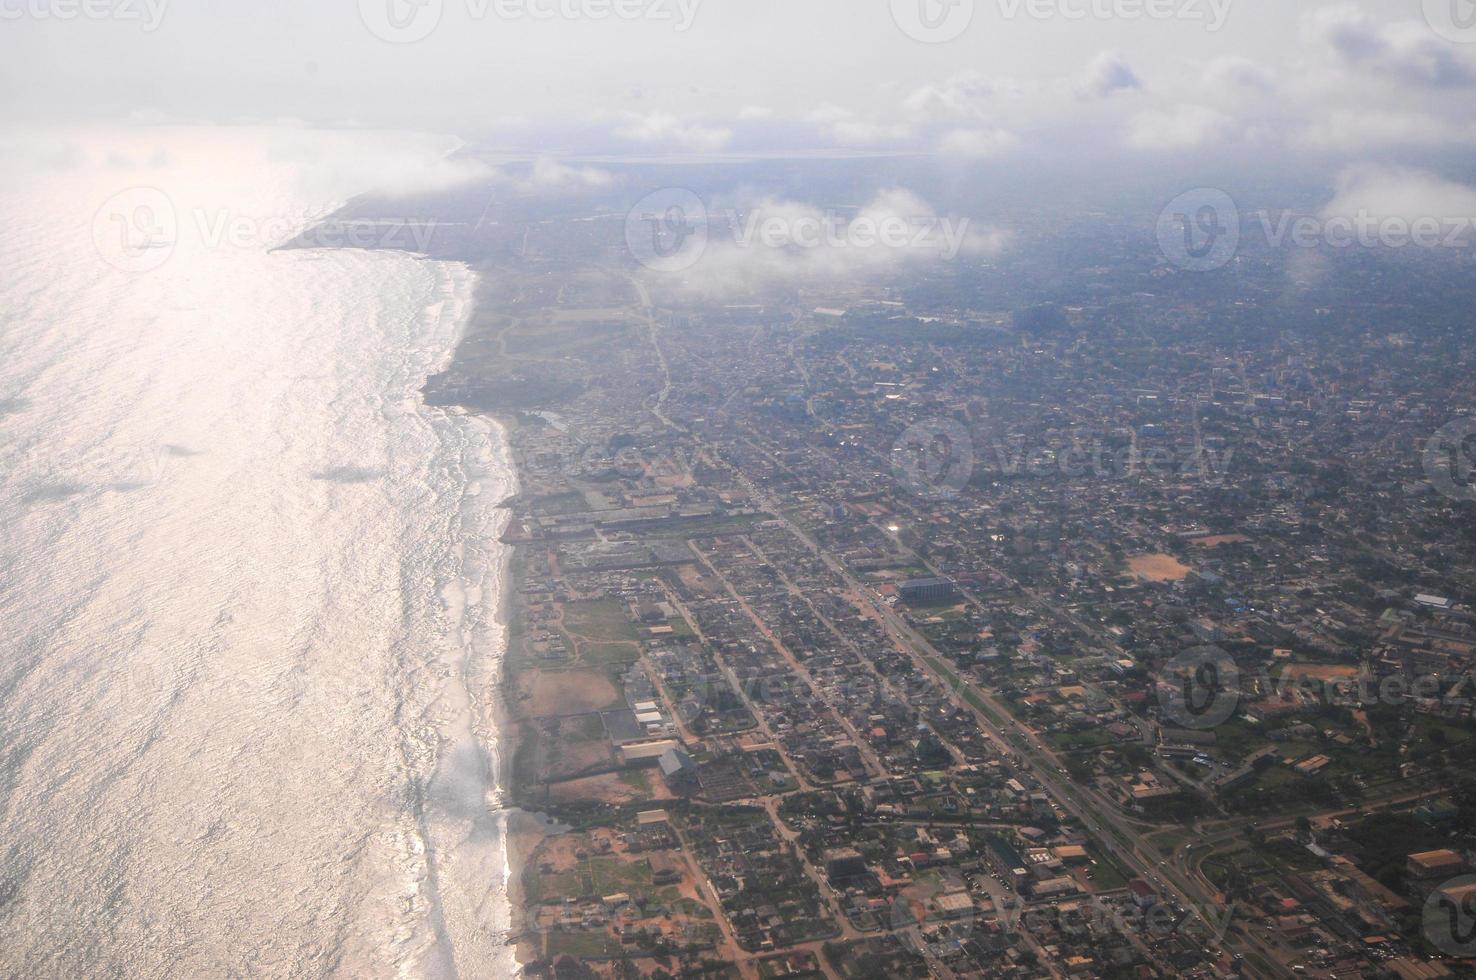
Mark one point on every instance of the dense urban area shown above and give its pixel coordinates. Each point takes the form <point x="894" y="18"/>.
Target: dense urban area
<point x="929" y="624"/>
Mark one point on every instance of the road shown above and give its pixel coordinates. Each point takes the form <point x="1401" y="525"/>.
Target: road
<point x="1125" y="838"/>
<point x="1116" y="832"/>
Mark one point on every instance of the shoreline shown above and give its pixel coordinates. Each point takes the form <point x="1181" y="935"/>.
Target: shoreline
<point x="523" y="830"/>
<point x="485" y="379"/>
<point x="486" y="672"/>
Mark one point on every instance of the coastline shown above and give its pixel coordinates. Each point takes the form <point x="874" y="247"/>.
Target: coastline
<point x="676" y="673"/>
<point x="490" y="678"/>
<point x="523" y="831"/>
<point x="555" y="785"/>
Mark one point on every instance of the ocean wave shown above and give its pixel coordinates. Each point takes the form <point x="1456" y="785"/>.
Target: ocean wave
<point x="250" y="586"/>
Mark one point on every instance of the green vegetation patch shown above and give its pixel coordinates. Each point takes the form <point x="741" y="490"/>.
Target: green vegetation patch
<point x="605" y="654"/>
<point x="581" y="945"/>
<point x="559" y="504"/>
<point x="601" y="620"/>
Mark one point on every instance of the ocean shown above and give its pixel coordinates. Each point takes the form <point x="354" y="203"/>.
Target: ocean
<point x="249" y="582"/>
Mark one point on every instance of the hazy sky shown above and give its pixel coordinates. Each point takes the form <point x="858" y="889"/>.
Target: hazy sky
<point x="970" y="78"/>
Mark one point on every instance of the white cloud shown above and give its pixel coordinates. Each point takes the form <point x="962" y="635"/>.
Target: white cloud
<point x="790" y="243"/>
<point x="1183" y="127"/>
<point x="864" y="132"/>
<point x="1408" y="51"/>
<point x="968" y="112"/>
<point x="977" y="143"/>
<point x="1346" y="30"/>
<point x="1383" y="191"/>
<point x="393" y="164"/>
<point x="1353" y="131"/>
<point x="966" y="95"/>
<point x="1234" y="76"/>
<point x="663" y="127"/>
<point x="829" y="112"/>
<point x="1105" y="74"/>
<point x="840" y="125"/>
<point x="551" y="175"/>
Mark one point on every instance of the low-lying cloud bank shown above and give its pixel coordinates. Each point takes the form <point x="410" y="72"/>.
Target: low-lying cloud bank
<point x="777" y="243"/>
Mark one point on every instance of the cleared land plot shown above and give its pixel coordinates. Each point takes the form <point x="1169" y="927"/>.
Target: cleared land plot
<point x="1158" y="568"/>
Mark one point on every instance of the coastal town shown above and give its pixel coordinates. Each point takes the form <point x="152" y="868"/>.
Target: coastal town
<point x="878" y="630"/>
<point x="738" y="490"/>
